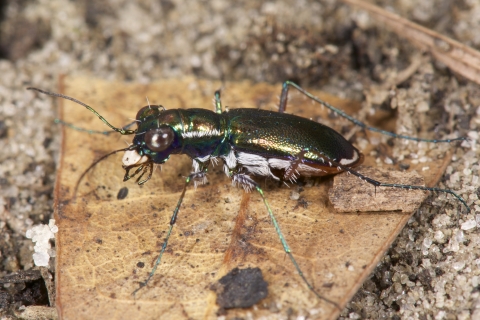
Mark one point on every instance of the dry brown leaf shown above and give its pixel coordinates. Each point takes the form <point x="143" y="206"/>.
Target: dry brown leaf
<point x="460" y="58"/>
<point x="106" y="246"/>
<point x="348" y="196"/>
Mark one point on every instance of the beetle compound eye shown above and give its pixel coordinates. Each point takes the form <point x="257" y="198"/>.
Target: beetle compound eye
<point x="148" y="111"/>
<point x="159" y="139"/>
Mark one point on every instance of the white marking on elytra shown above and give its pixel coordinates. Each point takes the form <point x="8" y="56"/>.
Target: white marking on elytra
<point x="349" y="161"/>
<point x="201" y="134"/>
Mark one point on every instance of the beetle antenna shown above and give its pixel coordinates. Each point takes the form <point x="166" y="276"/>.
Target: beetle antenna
<point x="94" y="163"/>
<point x="59" y="95"/>
<point x="74" y="127"/>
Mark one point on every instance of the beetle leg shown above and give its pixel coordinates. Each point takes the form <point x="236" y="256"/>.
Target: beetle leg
<point x="291" y="171"/>
<point x="283" y="98"/>
<point x="283" y="105"/>
<point x="243" y="180"/>
<point x="376" y="183"/>
<point x="217" y="102"/>
<point x="127" y="172"/>
<point x="248" y="183"/>
<point x="173" y="219"/>
<point x="142" y="173"/>
<point x="148" y="165"/>
<point x="199" y="178"/>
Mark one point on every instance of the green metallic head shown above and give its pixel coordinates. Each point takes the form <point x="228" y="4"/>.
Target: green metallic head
<point x="156" y="138"/>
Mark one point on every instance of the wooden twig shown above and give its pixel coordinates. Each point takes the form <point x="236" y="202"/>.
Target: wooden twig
<point x="458" y="57"/>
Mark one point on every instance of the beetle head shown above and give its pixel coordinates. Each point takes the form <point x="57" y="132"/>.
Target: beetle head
<point x="155" y="140"/>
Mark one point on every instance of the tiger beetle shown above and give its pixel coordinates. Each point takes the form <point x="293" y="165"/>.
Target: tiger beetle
<point x="250" y="143"/>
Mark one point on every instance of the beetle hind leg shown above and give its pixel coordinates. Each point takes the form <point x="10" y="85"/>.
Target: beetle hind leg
<point x="248" y="183"/>
<point x="199" y="174"/>
<point x="244" y="180"/>
<point x="291" y="172"/>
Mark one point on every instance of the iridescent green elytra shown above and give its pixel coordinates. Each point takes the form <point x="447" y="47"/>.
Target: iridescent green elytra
<point x="250" y="143"/>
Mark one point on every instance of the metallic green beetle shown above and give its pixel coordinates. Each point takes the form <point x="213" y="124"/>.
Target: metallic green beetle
<point x="248" y="144"/>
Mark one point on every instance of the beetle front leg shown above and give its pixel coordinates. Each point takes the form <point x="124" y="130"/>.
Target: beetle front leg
<point x="193" y="176"/>
<point x="218" y="102"/>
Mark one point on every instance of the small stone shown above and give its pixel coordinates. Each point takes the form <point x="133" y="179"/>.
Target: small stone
<point x="439" y="236"/>
<point x="454" y="178"/>
<point x="477" y="262"/>
<point x="440" y="315"/>
<point x="458" y="265"/>
<point x="427" y="242"/>
<point x="469" y="224"/>
<point x="473" y="135"/>
<point x="388" y="160"/>
<point x="422" y="106"/>
<point x="426" y="263"/>
<point x="475" y="178"/>
<point x="294" y="195"/>
<point x="459" y="236"/>
<point x="452" y="246"/>
<point x="398" y="287"/>
<point x="41" y="259"/>
<point x="475" y="281"/>
<point x="41" y="235"/>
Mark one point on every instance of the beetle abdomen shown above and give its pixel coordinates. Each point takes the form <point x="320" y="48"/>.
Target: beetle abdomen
<point x="279" y="138"/>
